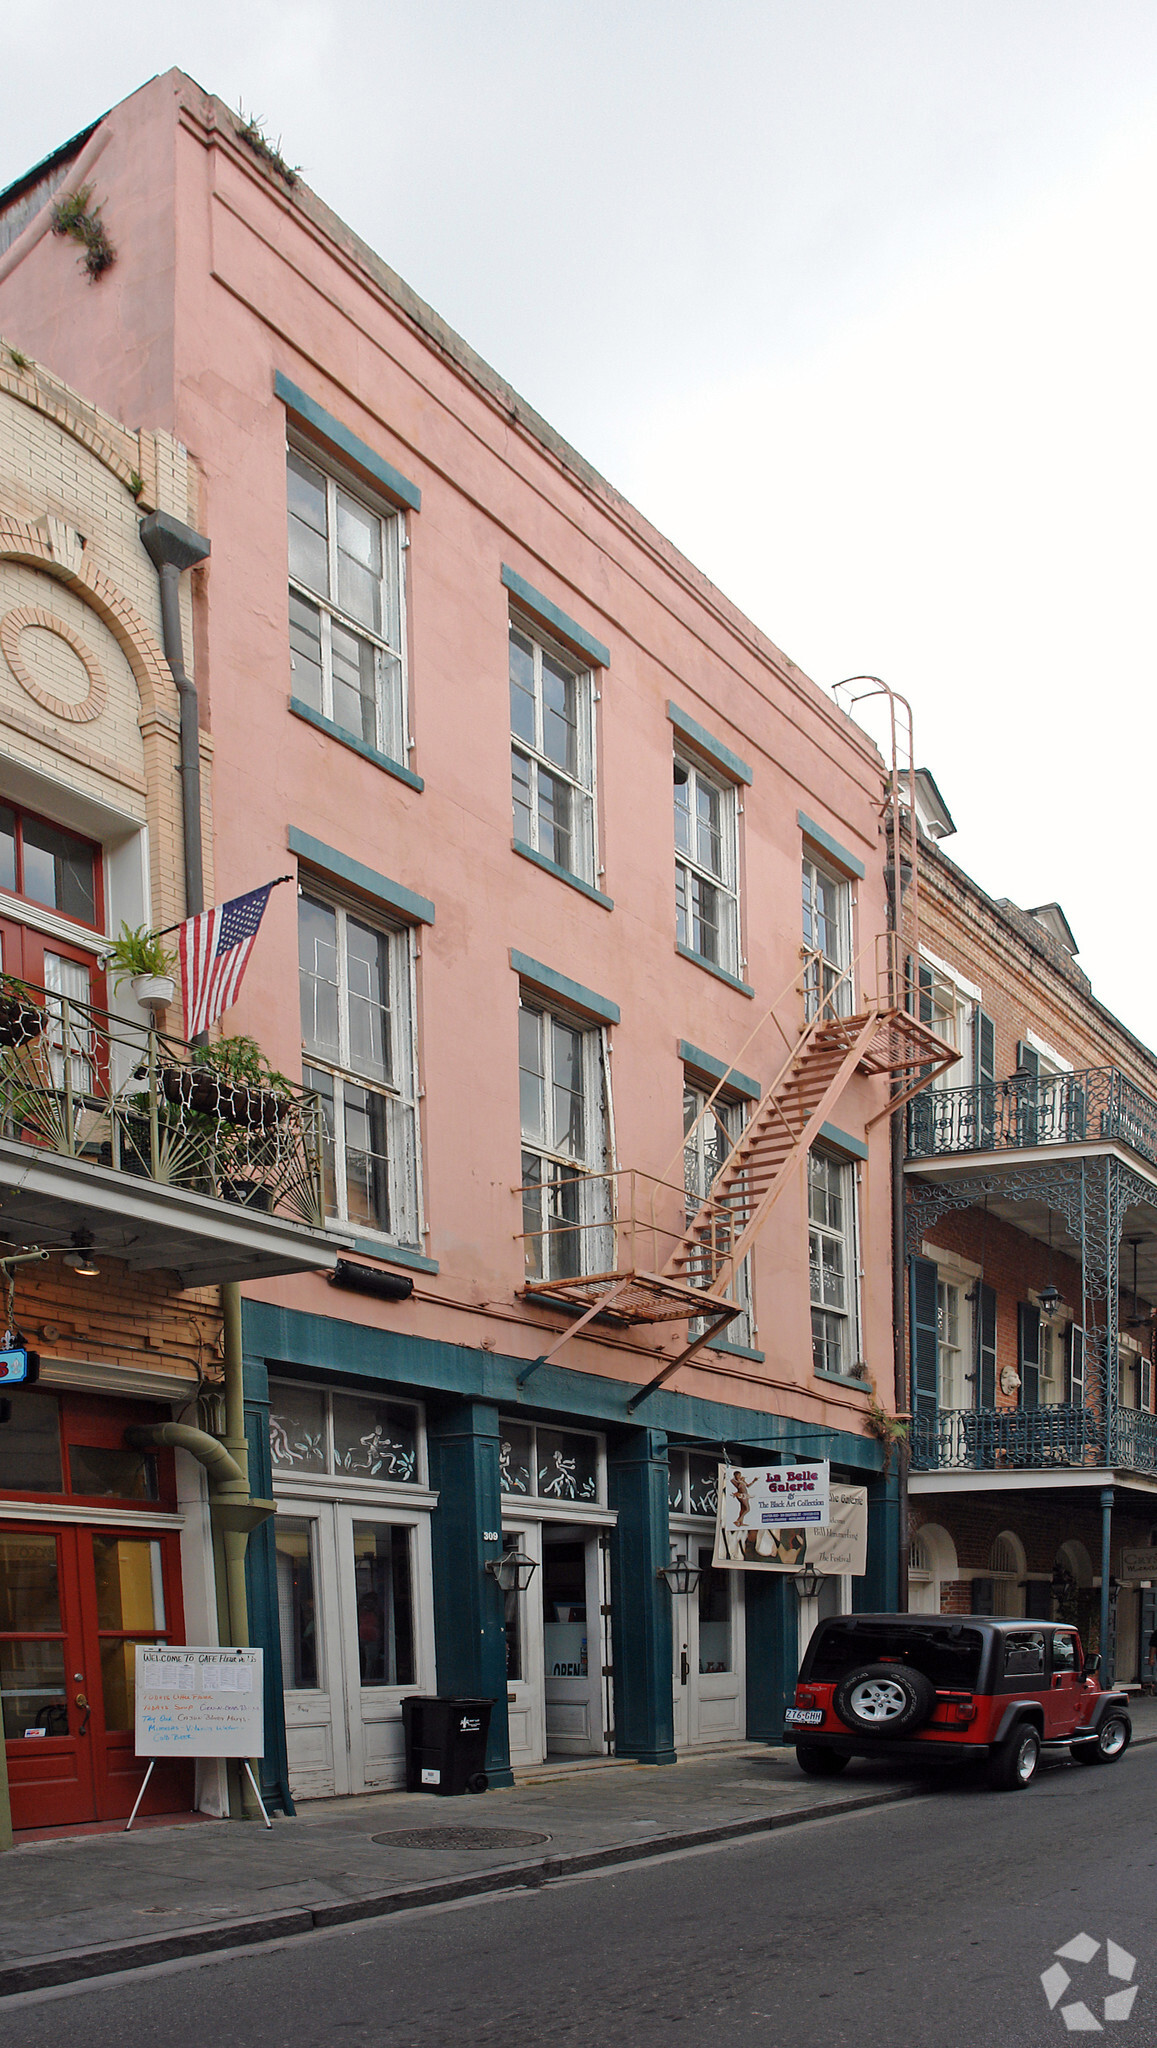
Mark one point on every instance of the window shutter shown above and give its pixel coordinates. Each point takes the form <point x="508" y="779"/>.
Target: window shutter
<point x="1076" y="1367"/>
<point x="983" y="1046"/>
<point x="925" y="1340"/>
<point x="1147" y="1385"/>
<point x="985" y="1346"/>
<point x="1038" y="1600"/>
<point x="925" y="994"/>
<point x="909" y="983"/>
<point x="1028" y="1344"/>
<point x="983" y="1596"/>
<point x="1028" y="1059"/>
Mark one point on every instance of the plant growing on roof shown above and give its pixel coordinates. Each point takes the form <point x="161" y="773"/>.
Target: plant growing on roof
<point x="78" y="218"/>
<point x="18" y="359"/>
<point x="252" y="132"/>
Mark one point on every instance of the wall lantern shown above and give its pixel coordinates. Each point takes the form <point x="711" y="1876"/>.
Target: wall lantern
<point x="513" y="1570"/>
<point x="807" y="1582"/>
<point x="80" y="1258"/>
<point x="681" y="1576"/>
<point x="1048" y="1300"/>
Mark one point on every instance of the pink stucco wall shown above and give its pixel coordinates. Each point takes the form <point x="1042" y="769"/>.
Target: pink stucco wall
<point x="223" y="279"/>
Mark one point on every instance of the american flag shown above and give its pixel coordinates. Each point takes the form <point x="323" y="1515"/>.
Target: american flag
<point x="214" y="950"/>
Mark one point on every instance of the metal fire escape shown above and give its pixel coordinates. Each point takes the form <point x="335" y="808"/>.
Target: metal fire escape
<point x="705" y="1247"/>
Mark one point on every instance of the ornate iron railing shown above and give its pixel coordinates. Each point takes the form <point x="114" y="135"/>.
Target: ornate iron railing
<point x="1135" y="1440"/>
<point x="996" y="1439"/>
<point x="84" y="1084"/>
<point x="1017" y="1114"/>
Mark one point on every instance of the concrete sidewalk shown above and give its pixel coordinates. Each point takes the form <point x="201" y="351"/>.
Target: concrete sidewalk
<point x="85" y="1905"/>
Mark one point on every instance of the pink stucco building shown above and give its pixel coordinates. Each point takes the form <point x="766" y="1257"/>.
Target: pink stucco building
<point x="564" y="824"/>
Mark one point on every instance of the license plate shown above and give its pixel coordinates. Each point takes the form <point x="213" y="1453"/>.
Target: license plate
<point x="805" y="1717"/>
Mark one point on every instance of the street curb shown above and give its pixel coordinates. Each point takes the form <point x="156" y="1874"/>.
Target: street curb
<point x="68" y="1966"/>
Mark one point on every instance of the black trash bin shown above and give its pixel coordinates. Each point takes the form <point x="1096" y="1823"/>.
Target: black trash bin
<point x="446" y="1744"/>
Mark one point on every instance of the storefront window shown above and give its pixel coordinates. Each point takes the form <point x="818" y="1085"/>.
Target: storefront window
<point x="30" y="1442"/>
<point x="126" y="1475"/>
<point x="515" y="1457"/>
<point x="296" y="1603"/>
<point x="714" y="1616"/>
<point x="382" y="1586"/>
<point x="130" y="1608"/>
<point x="676" y="1482"/>
<point x="554" y="1464"/>
<point x="376" y="1439"/>
<point x="703" y="1487"/>
<point x="297" y="1433"/>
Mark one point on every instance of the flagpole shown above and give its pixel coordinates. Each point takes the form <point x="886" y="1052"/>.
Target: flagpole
<point x="166" y="929"/>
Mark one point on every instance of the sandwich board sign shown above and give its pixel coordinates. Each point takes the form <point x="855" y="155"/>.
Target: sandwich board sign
<point x="198" y="1702"/>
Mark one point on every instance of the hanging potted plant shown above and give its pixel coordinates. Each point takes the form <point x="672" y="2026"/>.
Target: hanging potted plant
<point x="21" y="1020"/>
<point x="139" y="958"/>
<point x="233" y="1081"/>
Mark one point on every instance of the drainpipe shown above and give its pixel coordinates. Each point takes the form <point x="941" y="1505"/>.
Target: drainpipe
<point x="1107" y="1660"/>
<point x="894" y="879"/>
<point x="174" y="547"/>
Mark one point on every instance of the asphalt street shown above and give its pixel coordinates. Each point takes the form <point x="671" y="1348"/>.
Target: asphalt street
<point x="921" y="1925"/>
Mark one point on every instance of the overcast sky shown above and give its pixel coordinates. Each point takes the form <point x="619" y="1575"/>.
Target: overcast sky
<point x="854" y="298"/>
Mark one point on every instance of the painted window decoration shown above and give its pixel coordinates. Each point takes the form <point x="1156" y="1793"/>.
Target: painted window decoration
<point x="827" y="932"/>
<point x="332" y="1435"/>
<point x="565" y="1202"/>
<point x="359" y="1052"/>
<point x="552" y="752"/>
<point x="706" y="865"/>
<point x="709" y="1137"/>
<point x="549" y="1464"/>
<point x="346" y="608"/>
<point x="692" y="1483"/>
<point x="832" y="1262"/>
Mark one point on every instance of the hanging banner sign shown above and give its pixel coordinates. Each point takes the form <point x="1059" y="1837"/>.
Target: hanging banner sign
<point x="195" y="1702"/>
<point x="774" y="1497"/>
<point x="837" y="1545"/>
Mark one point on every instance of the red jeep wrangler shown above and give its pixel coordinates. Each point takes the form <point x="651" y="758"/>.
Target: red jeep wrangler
<point x="930" y="1689"/>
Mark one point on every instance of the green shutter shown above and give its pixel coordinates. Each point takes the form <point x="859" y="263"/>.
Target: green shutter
<point x="985" y="1346"/>
<point x="925" y="994"/>
<point x="1028" y="1345"/>
<point x="983" y="1046"/>
<point x="1028" y="1059"/>
<point x="925" y="1341"/>
<point x="1076" y="1373"/>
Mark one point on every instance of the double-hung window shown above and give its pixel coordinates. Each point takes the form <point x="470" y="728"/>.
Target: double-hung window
<point x="345" y="608"/>
<point x="832" y="1262"/>
<point x="561" y="1100"/>
<point x="709" y="1136"/>
<point x="706" y="865"/>
<point x="552" y="752"/>
<point x="358" y="1050"/>
<point x="827" y="934"/>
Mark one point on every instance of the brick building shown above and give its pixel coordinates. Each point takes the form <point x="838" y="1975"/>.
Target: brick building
<point x="1031" y="1224"/>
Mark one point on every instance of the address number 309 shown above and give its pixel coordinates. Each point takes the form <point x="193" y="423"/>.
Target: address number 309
<point x="490" y="1535"/>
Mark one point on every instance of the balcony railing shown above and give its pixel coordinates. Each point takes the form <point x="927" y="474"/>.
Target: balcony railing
<point x="85" y="1085"/>
<point x="1135" y="1440"/>
<point x="997" y="1439"/>
<point x="1054" y="1109"/>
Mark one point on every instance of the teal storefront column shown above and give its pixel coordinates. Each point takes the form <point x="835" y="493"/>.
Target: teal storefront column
<point x="640" y="1602"/>
<point x="465" y="1530"/>
<point x="771" y="1607"/>
<point x="261" y="1592"/>
<point x="879" y="1589"/>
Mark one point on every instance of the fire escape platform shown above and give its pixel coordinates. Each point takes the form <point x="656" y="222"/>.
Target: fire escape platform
<point x="633" y="1297"/>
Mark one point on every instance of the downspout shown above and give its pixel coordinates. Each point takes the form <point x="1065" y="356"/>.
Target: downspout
<point x="174" y="547"/>
<point x="894" y="877"/>
<point x="1107" y="1659"/>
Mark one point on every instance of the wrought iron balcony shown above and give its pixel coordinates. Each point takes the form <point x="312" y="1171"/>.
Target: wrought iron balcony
<point x="160" y="1158"/>
<point x="997" y="1439"/>
<point x="1135" y="1440"/>
<point x="1021" y="1113"/>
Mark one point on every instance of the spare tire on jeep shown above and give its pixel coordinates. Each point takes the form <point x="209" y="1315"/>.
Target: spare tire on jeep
<point x="884" y="1699"/>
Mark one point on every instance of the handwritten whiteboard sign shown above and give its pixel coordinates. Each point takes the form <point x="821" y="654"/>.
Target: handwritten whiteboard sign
<point x="193" y="1702"/>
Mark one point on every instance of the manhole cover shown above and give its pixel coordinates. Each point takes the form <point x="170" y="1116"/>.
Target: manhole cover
<point x="460" y="1838"/>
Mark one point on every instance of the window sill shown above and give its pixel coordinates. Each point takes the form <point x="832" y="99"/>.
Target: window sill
<point x="551" y="867"/>
<point x="735" y="1350"/>
<point x="394" y="1255"/>
<point x="356" y="746"/>
<point x="709" y="967"/>
<point x="842" y="1379"/>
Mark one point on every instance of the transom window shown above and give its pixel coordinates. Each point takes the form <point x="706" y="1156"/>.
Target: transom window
<point x="549" y="1464"/>
<point x="552" y="752"/>
<point x="345" y="608"/>
<point x="48" y="865"/>
<point x="832" y="1262"/>
<point x="706" y="865"/>
<point x="329" y="1435"/>
<point x="709" y="1136"/>
<point x="561" y="1103"/>
<point x="692" y="1483"/>
<point x="358" y="1043"/>
<point x="827" y="931"/>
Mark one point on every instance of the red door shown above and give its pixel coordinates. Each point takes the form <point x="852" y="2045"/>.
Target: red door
<point x="74" y="1602"/>
<point x="1066" y="1699"/>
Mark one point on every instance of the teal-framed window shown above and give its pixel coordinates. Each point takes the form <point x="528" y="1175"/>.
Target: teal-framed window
<point x="359" y="1053"/>
<point x="552" y="751"/>
<point x="346" y="605"/>
<point x="827" y="934"/>
<point x="562" y="1104"/>
<point x="833" y="1262"/>
<point x="706" y="864"/>
<point x="709" y="1136"/>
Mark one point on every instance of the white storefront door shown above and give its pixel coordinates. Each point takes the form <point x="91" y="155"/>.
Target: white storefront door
<point x="707" y="1629"/>
<point x="525" y="1693"/>
<point x="356" y="1637"/>
<point x="574" y="1640"/>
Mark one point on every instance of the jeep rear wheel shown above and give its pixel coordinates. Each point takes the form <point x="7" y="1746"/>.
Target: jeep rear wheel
<point x="1014" y="1765"/>
<point x="820" y="1763"/>
<point x="884" y="1699"/>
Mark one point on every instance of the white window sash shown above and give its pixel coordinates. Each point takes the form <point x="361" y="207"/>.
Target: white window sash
<point x="582" y="782"/>
<point x="725" y="885"/>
